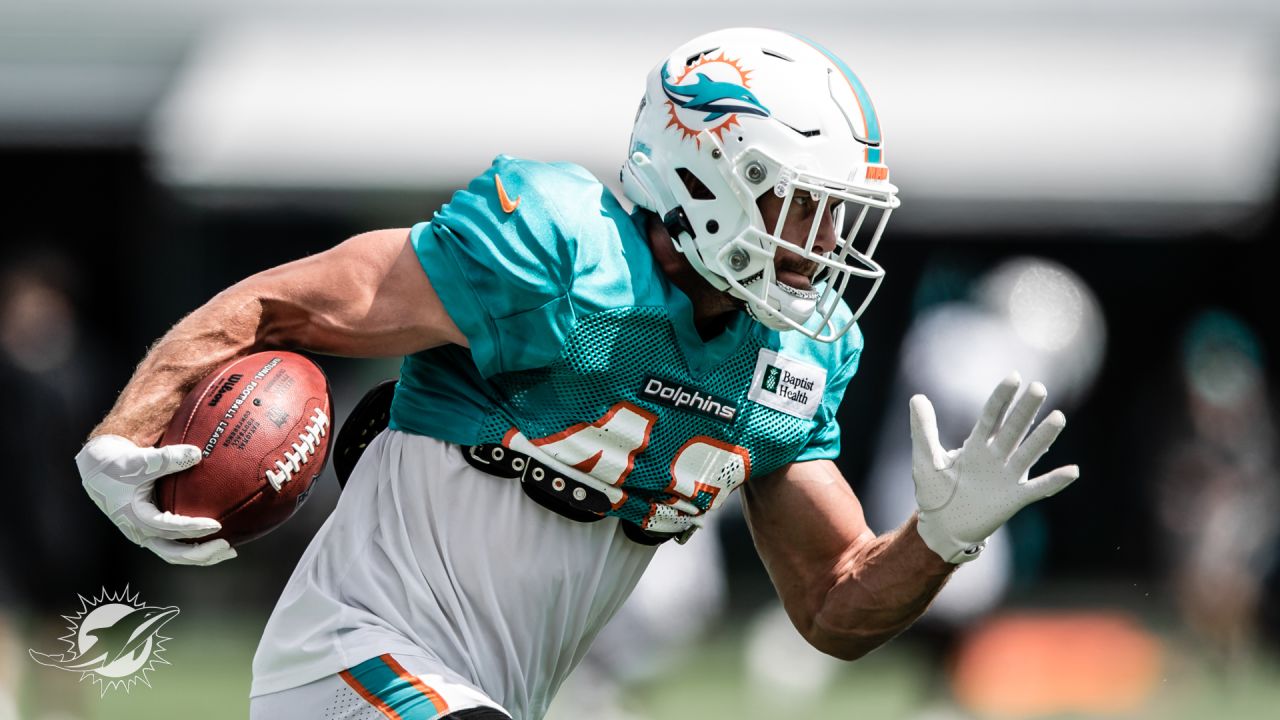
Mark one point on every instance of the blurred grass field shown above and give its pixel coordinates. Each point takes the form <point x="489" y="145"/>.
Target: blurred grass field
<point x="209" y="678"/>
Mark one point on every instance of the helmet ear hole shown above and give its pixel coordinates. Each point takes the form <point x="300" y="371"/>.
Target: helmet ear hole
<point x="698" y="190"/>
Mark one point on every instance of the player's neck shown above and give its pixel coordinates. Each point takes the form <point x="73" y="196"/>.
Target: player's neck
<point x="712" y="309"/>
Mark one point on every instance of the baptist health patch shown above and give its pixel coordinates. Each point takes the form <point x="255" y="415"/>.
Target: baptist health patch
<point x="787" y="385"/>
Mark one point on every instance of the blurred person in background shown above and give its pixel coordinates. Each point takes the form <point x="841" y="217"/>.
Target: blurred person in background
<point x="1219" y="493"/>
<point x="45" y="370"/>
<point x="647" y="363"/>
<point x="1027" y="312"/>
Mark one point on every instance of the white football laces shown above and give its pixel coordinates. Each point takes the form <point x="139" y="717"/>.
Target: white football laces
<point x="293" y="461"/>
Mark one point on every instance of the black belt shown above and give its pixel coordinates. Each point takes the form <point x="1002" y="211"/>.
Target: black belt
<point x="551" y="489"/>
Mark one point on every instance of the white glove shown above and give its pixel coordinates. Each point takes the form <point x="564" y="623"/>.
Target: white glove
<point x="120" y="477"/>
<point x="965" y="495"/>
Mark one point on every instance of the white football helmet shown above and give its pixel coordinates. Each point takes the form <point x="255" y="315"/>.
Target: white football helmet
<point x="736" y="113"/>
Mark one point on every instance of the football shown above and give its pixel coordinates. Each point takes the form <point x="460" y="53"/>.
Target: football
<point x="262" y="423"/>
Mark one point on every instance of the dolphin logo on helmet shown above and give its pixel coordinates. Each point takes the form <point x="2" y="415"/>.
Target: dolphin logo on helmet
<point x="713" y="97"/>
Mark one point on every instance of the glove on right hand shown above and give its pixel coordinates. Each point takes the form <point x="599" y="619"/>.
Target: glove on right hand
<point x="120" y="477"/>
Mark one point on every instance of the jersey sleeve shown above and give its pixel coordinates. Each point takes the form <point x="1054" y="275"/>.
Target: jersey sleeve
<point x="502" y="261"/>
<point x="824" y="443"/>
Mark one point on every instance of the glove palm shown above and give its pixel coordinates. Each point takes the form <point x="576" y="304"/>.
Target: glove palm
<point x="965" y="494"/>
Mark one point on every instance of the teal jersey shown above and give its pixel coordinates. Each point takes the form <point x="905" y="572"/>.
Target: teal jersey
<point x="584" y="355"/>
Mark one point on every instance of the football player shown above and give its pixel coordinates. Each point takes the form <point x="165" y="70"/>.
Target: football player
<point x="582" y="383"/>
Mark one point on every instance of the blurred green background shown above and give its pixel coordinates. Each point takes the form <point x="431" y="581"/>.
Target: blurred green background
<point x="209" y="674"/>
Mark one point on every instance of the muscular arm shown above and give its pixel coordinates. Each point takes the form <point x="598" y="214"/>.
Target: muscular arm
<point x="367" y="297"/>
<point x="846" y="590"/>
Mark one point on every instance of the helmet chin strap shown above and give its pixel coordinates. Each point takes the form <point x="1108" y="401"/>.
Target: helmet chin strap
<point x="783" y="305"/>
<point x="794" y="308"/>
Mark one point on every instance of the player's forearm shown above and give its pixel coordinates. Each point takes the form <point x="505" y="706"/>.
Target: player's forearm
<point x="229" y="325"/>
<point x="888" y="584"/>
<point x="366" y="297"/>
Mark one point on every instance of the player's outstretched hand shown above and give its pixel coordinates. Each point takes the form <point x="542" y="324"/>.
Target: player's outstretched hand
<point x="121" y="477"/>
<point x="964" y="495"/>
